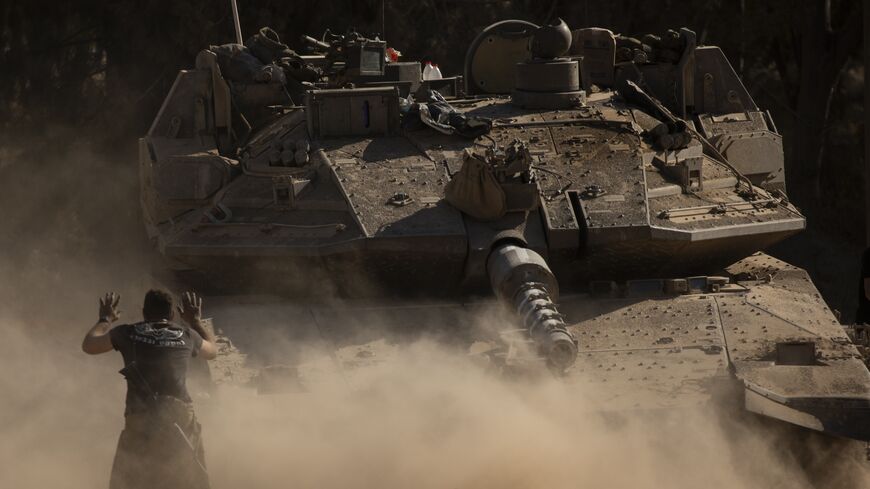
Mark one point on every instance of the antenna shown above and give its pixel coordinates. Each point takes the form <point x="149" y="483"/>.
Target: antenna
<point x="384" y="19"/>
<point x="236" y="21"/>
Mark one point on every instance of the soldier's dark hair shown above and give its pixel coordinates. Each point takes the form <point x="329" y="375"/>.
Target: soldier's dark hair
<point x="158" y="305"/>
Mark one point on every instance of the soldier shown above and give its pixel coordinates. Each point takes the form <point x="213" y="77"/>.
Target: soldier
<point x="160" y="445"/>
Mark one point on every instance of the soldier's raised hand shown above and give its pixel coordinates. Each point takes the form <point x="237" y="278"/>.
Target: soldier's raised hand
<point x="191" y="308"/>
<point x="109" y="311"/>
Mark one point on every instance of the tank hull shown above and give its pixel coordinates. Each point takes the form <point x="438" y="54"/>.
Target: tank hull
<point x="766" y="343"/>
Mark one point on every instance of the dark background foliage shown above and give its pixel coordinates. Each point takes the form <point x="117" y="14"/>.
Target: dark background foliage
<point x="99" y="69"/>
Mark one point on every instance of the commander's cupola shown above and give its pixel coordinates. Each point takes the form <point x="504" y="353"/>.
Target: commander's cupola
<point x="548" y="80"/>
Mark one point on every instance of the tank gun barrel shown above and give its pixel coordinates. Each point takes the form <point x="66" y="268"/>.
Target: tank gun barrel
<point x="522" y="280"/>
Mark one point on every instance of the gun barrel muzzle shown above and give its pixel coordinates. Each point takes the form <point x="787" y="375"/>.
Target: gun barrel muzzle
<point x="521" y="278"/>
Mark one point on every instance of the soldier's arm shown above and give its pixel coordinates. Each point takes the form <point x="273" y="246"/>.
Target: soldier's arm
<point x="208" y="350"/>
<point x="97" y="340"/>
<point x="191" y="313"/>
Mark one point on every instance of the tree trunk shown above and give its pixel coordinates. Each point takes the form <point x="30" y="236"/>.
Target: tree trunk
<point x="866" y="126"/>
<point x="822" y="58"/>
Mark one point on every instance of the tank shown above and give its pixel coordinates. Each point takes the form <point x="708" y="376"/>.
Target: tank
<point x="608" y="198"/>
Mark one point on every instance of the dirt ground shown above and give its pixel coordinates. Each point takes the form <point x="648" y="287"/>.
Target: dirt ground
<point x="429" y="417"/>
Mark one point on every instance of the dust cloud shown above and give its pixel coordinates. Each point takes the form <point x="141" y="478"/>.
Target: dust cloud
<point x="429" y="416"/>
<point x="432" y="418"/>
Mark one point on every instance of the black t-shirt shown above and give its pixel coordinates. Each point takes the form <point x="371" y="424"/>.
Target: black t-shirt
<point x="162" y="352"/>
<point x="863" y="314"/>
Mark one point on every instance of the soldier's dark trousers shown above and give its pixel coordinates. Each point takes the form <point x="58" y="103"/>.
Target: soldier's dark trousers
<point x="153" y="454"/>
